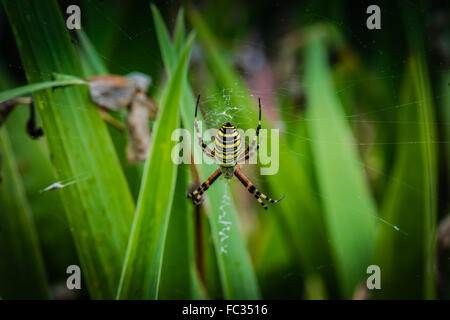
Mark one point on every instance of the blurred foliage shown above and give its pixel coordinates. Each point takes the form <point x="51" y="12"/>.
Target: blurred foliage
<point x="19" y="243"/>
<point x="364" y="151"/>
<point x="98" y="203"/>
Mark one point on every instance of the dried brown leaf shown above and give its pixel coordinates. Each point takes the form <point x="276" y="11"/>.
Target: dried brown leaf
<point x="138" y="128"/>
<point x="112" y="92"/>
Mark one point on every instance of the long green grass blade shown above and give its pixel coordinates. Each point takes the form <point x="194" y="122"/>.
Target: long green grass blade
<point x="405" y="203"/>
<point x="36" y="172"/>
<point x="29" y="89"/>
<point x="350" y="210"/>
<point x="445" y="103"/>
<point x="235" y="269"/>
<point x="425" y="178"/>
<point x="301" y="215"/>
<point x="22" y="273"/>
<point x="429" y="158"/>
<point x="179" y="33"/>
<point x="168" y="56"/>
<point x="412" y="202"/>
<point x="98" y="202"/>
<point x="178" y="275"/>
<point x="94" y="64"/>
<point x="142" y="266"/>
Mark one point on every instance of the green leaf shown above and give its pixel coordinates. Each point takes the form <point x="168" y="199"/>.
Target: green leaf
<point x="179" y="31"/>
<point x="235" y="269"/>
<point x="410" y="200"/>
<point x="30" y="88"/>
<point x="428" y="136"/>
<point x="98" y="202"/>
<point x="22" y="273"/>
<point x="350" y="210"/>
<point x="142" y="266"/>
<point x="301" y="215"/>
<point x="168" y="56"/>
<point x="94" y="64"/>
<point x="178" y="275"/>
<point x="445" y="102"/>
<point x="206" y="256"/>
<point x="36" y="172"/>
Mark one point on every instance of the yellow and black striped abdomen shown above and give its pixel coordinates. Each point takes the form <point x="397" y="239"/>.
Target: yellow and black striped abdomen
<point x="227" y="145"/>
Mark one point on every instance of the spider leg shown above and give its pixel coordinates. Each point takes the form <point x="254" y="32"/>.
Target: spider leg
<point x="251" y="148"/>
<point x="196" y="195"/>
<point x="249" y="154"/>
<point x="32" y="131"/>
<point x="203" y="145"/>
<point x="252" y="189"/>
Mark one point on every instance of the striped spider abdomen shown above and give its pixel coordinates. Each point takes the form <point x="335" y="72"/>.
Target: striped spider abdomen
<point x="227" y="145"/>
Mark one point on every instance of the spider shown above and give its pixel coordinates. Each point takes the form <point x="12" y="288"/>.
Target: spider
<point x="228" y="154"/>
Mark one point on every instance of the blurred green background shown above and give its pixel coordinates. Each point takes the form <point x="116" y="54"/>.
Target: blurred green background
<point x="364" y="152"/>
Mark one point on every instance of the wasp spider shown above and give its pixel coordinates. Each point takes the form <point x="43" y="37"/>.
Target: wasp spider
<point x="228" y="154"/>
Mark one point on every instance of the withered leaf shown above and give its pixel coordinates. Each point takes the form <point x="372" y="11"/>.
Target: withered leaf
<point x="111" y="92"/>
<point x="142" y="81"/>
<point x="138" y="127"/>
<point x="116" y="92"/>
